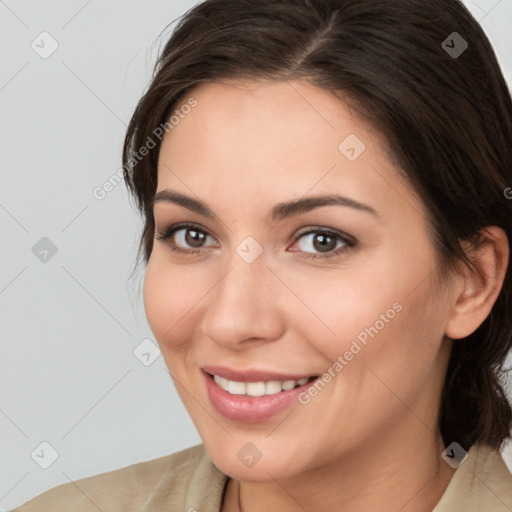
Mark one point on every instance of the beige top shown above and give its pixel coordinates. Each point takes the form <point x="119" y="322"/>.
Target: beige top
<point x="188" y="481"/>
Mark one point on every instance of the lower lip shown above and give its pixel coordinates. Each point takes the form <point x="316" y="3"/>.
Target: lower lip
<point x="250" y="409"/>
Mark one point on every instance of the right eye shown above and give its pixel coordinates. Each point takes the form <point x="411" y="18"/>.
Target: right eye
<point x="185" y="237"/>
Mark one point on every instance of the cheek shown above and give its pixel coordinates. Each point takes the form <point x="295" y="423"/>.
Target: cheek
<point x="169" y="300"/>
<point x="392" y="344"/>
<point x="384" y="308"/>
<point x="156" y="299"/>
<point x="347" y="303"/>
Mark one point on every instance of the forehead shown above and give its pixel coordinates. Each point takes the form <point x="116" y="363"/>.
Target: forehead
<point x="270" y="117"/>
<point x="257" y="139"/>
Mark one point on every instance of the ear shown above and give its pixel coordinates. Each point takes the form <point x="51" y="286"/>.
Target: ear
<point x="477" y="291"/>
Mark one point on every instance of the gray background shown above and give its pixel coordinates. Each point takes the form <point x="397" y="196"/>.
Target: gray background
<point x="71" y="321"/>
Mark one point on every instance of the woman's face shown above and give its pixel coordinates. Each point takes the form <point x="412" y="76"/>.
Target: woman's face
<point x="307" y="256"/>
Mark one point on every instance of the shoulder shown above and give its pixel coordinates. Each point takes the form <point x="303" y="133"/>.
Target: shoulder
<point x="165" y="482"/>
<point x="481" y="483"/>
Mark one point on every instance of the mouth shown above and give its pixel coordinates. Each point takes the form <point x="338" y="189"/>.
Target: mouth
<point x="259" y="388"/>
<point x="253" y="396"/>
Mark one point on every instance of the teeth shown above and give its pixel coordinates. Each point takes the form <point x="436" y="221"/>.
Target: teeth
<point x="272" y="387"/>
<point x="221" y="382"/>
<point x="257" y="388"/>
<point x="288" y="384"/>
<point x="236" y="388"/>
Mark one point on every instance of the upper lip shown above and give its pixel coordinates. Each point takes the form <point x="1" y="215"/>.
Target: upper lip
<point x="253" y="375"/>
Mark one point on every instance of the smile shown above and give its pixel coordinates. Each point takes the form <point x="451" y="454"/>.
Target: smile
<point x="252" y="396"/>
<point x="258" y="388"/>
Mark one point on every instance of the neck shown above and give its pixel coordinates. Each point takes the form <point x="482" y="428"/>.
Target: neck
<point x="385" y="477"/>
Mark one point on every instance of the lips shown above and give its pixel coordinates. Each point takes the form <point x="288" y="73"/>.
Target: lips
<point x="252" y="375"/>
<point x="257" y="405"/>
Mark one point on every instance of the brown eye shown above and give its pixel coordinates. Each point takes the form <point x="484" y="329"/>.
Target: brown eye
<point x="185" y="237"/>
<point x="323" y="243"/>
<point x="193" y="237"/>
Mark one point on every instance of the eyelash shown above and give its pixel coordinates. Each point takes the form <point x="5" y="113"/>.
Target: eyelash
<point x="349" y="241"/>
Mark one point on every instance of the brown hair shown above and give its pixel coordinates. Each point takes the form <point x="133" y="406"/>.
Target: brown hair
<point x="445" y="111"/>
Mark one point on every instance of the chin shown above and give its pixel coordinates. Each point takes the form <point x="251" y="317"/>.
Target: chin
<point x="242" y="460"/>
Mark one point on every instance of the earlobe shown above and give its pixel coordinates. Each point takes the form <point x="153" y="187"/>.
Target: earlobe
<point x="479" y="288"/>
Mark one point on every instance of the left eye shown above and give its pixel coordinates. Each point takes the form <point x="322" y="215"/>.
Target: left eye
<point x="324" y="243"/>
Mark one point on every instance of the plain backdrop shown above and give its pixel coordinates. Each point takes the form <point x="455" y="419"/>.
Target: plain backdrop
<point x="83" y="388"/>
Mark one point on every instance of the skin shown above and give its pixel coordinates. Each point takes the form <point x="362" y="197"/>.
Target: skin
<point x="369" y="440"/>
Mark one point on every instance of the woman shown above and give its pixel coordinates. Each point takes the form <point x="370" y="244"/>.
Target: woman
<point x="326" y="193"/>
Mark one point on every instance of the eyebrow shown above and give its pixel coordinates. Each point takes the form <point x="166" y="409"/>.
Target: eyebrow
<point x="279" y="212"/>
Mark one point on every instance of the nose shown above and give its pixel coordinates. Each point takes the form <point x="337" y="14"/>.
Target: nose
<point x="245" y="307"/>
